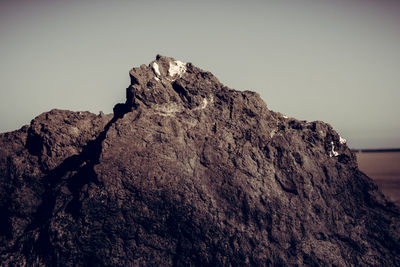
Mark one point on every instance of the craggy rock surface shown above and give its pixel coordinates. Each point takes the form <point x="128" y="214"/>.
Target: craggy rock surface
<point x="188" y="172"/>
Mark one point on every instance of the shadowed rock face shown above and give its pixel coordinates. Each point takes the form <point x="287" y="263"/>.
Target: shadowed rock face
<point x="187" y="173"/>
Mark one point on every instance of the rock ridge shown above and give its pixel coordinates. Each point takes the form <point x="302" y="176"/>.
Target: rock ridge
<point x="188" y="172"/>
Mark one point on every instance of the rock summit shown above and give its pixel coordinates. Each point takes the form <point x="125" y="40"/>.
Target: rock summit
<point x="188" y="172"/>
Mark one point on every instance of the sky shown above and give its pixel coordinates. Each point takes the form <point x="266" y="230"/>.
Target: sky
<point x="330" y="60"/>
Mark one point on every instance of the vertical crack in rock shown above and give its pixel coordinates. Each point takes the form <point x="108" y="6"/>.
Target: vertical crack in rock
<point x="74" y="172"/>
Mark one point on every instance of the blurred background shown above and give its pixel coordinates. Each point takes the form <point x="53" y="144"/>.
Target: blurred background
<point x="333" y="60"/>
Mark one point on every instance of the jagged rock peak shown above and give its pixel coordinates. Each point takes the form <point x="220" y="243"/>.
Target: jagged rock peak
<point x="188" y="172"/>
<point x="166" y="80"/>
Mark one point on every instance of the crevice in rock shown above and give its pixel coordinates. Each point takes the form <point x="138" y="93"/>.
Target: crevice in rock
<point x="182" y="92"/>
<point x="34" y="143"/>
<point x="5" y="225"/>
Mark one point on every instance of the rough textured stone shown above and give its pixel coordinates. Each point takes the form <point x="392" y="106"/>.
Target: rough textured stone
<point x="188" y="173"/>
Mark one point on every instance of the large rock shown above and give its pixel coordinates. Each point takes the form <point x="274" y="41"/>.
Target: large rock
<point x="188" y="173"/>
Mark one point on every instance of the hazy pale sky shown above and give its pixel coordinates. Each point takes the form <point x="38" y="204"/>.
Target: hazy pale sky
<point x="331" y="60"/>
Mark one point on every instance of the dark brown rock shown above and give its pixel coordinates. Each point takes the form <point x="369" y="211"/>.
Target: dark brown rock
<point x="188" y="173"/>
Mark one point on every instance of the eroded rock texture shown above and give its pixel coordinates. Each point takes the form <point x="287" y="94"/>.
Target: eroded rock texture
<point x="188" y="172"/>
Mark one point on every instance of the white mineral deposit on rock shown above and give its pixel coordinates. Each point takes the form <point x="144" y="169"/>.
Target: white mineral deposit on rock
<point x="176" y="68"/>
<point x="156" y="69"/>
<point x="333" y="153"/>
<point x="342" y="140"/>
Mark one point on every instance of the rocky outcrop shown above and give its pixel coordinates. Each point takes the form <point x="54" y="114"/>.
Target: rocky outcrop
<point x="188" y="172"/>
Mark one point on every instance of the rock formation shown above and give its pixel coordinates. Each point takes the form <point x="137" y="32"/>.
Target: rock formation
<point x="188" y="172"/>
